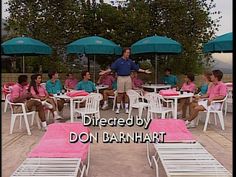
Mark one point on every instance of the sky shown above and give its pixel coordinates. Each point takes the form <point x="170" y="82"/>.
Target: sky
<point x="225" y="6"/>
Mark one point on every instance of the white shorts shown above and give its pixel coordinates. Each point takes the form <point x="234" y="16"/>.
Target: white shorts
<point x="212" y="107"/>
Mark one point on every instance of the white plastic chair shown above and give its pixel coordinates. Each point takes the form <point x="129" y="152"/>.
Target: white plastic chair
<point x="134" y="102"/>
<point x="8" y="91"/>
<point x="140" y="92"/>
<point x="114" y="101"/>
<point x="229" y="99"/>
<point x="24" y="115"/>
<point x="215" y="112"/>
<point x="92" y="103"/>
<point x="155" y="102"/>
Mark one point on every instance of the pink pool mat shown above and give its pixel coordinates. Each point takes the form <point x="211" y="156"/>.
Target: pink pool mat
<point x="55" y="142"/>
<point x="176" y="130"/>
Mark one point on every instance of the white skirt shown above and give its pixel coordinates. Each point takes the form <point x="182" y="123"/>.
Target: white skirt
<point x="212" y="107"/>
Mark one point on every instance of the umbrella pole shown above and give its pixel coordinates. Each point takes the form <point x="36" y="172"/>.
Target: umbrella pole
<point x="88" y="64"/>
<point x="23" y="64"/>
<point x="155" y="68"/>
<point x="94" y="76"/>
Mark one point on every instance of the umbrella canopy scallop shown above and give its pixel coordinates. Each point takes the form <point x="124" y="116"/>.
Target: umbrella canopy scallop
<point x="93" y="45"/>
<point x="223" y="43"/>
<point x="156" y="44"/>
<point x="25" y="46"/>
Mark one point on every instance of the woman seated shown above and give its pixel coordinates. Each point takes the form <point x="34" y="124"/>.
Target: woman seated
<point x="136" y="82"/>
<point x="106" y="79"/>
<point x="71" y="81"/>
<point x="39" y="92"/>
<point x="188" y="86"/>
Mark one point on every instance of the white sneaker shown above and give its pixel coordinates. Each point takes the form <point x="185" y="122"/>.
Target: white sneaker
<point x="190" y="124"/>
<point x="105" y="106"/>
<point x="187" y="123"/>
<point x="117" y="111"/>
<point x="58" y="117"/>
<point x="127" y="111"/>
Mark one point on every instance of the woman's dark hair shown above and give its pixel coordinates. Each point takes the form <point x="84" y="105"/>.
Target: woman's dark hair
<point x="218" y="74"/>
<point x="190" y="76"/>
<point x="51" y="73"/>
<point x="83" y="73"/>
<point x="125" y="49"/>
<point x="33" y="83"/>
<point x="22" y="79"/>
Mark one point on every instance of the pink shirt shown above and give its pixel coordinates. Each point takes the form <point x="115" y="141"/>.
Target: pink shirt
<point x="41" y="89"/>
<point x="71" y="83"/>
<point x="188" y="87"/>
<point x="107" y="80"/>
<point x="218" y="89"/>
<point x="17" y="91"/>
<point x="137" y="83"/>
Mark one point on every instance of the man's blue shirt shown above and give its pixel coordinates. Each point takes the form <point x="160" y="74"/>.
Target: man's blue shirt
<point x="124" y="67"/>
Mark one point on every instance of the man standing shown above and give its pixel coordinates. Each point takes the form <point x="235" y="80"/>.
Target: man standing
<point x="123" y="66"/>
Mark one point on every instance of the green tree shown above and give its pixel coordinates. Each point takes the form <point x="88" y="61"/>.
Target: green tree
<point x="58" y="23"/>
<point x="189" y="23"/>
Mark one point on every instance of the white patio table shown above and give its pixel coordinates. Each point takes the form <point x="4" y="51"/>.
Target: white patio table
<point x="155" y="87"/>
<point x="100" y="87"/>
<point x="72" y="99"/>
<point x="175" y="98"/>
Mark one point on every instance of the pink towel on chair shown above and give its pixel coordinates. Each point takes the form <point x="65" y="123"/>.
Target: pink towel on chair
<point x="55" y="142"/>
<point x="168" y="92"/>
<point x="176" y="130"/>
<point x="77" y="93"/>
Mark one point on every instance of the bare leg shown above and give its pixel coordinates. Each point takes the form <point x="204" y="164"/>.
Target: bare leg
<point x="195" y="111"/>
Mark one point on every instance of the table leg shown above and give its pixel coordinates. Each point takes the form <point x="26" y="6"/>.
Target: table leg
<point x="175" y="108"/>
<point x="71" y="110"/>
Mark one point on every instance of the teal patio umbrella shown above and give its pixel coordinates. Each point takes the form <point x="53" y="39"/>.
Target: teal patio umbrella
<point x="25" y="46"/>
<point x="93" y="45"/>
<point x="223" y="43"/>
<point x="157" y="45"/>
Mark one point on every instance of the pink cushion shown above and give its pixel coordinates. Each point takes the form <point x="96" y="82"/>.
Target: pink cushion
<point x="77" y="93"/>
<point x="176" y="130"/>
<point x="168" y="92"/>
<point x="229" y="84"/>
<point x="55" y="142"/>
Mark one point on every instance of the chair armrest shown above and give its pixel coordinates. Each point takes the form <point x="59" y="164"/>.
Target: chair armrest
<point x="77" y="101"/>
<point x="168" y="101"/>
<point x="18" y="104"/>
<point x="218" y="101"/>
<point x="80" y="101"/>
